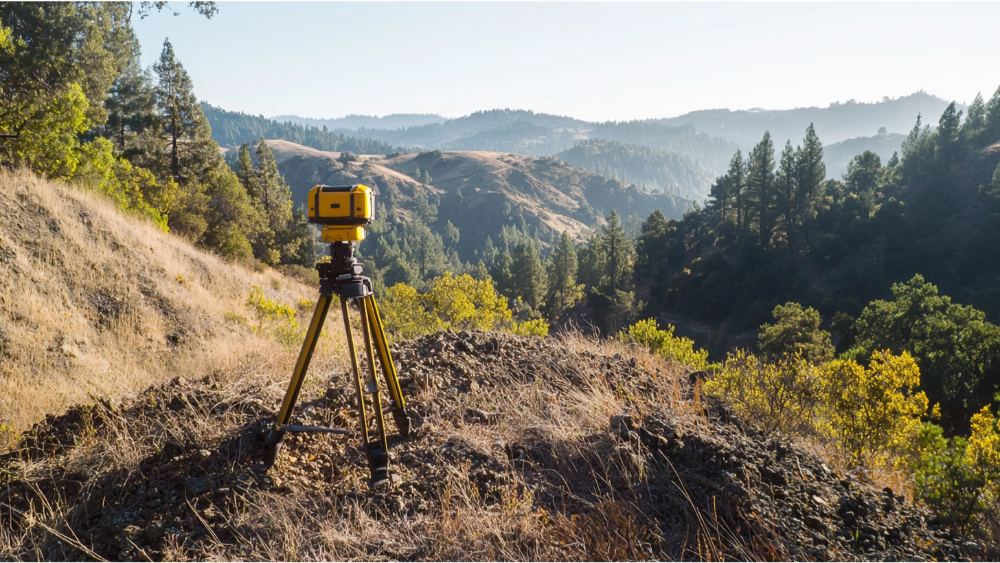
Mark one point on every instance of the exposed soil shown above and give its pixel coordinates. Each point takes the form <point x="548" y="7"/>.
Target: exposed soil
<point x="669" y="477"/>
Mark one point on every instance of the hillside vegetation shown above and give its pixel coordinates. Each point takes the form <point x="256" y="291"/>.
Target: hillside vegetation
<point x="525" y="449"/>
<point x="649" y="168"/>
<point x="97" y="304"/>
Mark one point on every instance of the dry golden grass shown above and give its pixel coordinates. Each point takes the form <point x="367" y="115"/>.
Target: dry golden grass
<point x="94" y="303"/>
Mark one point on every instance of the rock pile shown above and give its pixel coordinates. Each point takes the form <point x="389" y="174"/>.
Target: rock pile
<point x="506" y="417"/>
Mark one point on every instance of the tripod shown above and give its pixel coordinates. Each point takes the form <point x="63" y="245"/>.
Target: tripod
<point x="342" y="276"/>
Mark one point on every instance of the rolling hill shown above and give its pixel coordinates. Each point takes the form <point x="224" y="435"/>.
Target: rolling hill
<point x="95" y="303"/>
<point x="480" y="192"/>
<point x="662" y="171"/>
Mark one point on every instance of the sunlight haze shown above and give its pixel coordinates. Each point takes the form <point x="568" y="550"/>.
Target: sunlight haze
<point x="594" y="61"/>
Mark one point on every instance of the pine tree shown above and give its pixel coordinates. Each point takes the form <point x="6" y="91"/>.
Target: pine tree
<point x="130" y="105"/>
<point x="761" y="185"/>
<point x="974" y="128"/>
<point x="425" y="210"/>
<point x="528" y="275"/>
<point x="618" y="249"/>
<point x="992" y="120"/>
<point x="949" y="143"/>
<point x="274" y="193"/>
<point x="592" y="263"/>
<point x="427" y="249"/>
<point x="563" y="292"/>
<point x="489" y="251"/>
<point x="862" y="179"/>
<point x="451" y="234"/>
<point x="810" y="172"/>
<point x="187" y="130"/>
<point x="502" y="274"/>
<point x="787" y="181"/>
<point x="246" y="173"/>
<point x="736" y="180"/>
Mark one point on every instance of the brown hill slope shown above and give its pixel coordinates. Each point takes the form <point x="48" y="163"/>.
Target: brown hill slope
<point x="524" y="449"/>
<point x="497" y="189"/>
<point x="95" y="303"/>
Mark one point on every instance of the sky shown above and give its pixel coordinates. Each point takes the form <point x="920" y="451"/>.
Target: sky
<point x="595" y="61"/>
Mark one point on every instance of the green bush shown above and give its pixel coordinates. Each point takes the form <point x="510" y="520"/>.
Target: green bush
<point x="663" y="343"/>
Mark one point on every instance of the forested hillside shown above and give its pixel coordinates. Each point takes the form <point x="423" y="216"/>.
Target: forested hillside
<point x="458" y="211"/>
<point x="777" y="230"/>
<point x="651" y="169"/>
<point x="232" y="129"/>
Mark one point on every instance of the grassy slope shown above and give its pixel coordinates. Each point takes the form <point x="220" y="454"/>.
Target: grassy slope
<point x="95" y="303"/>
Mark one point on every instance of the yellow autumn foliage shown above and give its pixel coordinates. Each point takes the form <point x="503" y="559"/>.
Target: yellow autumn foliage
<point x="663" y="343"/>
<point x="453" y="303"/>
<point x="776" y="396"/>
<point x="983" y="452"/>
<point x="873" y="413"/>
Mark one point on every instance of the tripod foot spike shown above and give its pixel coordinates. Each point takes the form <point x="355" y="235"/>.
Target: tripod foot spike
<point x="402" y="419"/>
<point x="273" y="440"/>
<point x="378" y="463"/>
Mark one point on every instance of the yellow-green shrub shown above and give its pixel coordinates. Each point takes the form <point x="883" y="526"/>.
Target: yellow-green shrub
<point x="873" y="413"/>
<point x="959" y="478"/>
<point x="133" y="189"/>
<point x="452" y="303"/>
<point x="775" y="396"/>
<point x="276" y="318"/>
<point x="663" y="343"/>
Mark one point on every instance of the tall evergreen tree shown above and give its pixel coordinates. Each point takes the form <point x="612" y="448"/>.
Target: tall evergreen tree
<point x="130" y="105"/>
<point x="649" y="249"/>
<point x="503" y="278"/>
<point x="788" y="186"/>
<point x="862" y="179"/>
<point x="618" y="249"/>
<point x="950" y="148"/>
<point x="761" y="183"/>
<point x="563" y="292"/>
<point x="810" y="174"/>
<point x="737" y="189"/>
<point x="528" y="275"/>
<point x="246" y="173"/>
<point x="274" y="193"/>
<point x="185" y="126"/>
<point x="974" y="128"/>
<point x="992" y="120"/>
<point x="592" y="263"/>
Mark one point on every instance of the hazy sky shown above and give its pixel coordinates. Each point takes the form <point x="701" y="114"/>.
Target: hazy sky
<point x="593" y="61"/>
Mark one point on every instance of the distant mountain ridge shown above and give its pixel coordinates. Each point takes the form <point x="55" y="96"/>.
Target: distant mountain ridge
<point x="354" y="121"/>
<point x="688" y="148"/>
<point x="835" y="123"/>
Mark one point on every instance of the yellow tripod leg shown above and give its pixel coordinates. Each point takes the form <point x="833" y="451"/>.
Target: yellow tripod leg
<point x="378" y="452"/>
<point x="388" y="368"/>
<point x="358" y="385"/>
<point x="275" y="436"/>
